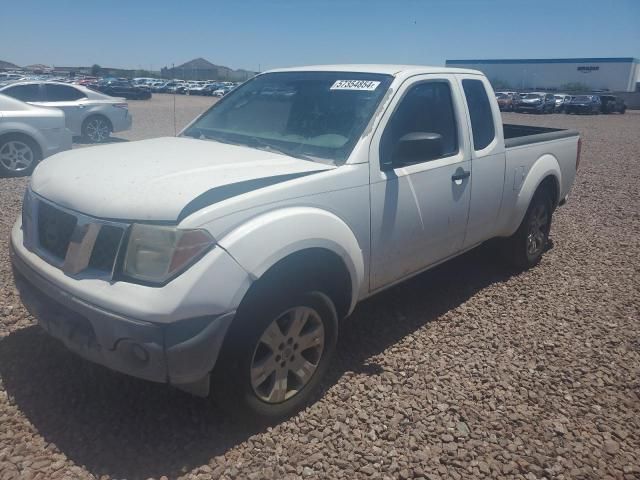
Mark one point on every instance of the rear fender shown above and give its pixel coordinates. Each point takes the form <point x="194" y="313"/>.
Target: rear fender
<point x="547" y="165"/>
<point x="263" y="241"/>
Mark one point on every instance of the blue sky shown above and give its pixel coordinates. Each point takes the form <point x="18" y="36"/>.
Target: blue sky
<point x="268" y="34"/>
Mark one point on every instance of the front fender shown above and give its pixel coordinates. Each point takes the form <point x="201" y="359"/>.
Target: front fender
<point x="9" y="127"/>
<point x="266" y="239"/>
<point x="546" y="165"/>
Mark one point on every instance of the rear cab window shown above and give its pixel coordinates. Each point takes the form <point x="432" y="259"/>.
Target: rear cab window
<point x="482" y="125"/>
<point x="61" y="93"/>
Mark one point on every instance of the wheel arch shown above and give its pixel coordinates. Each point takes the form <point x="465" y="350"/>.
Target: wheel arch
<point x="93" y="114"/>
<point x="304" y="235"/>
<point x="545" y="173"/>
<point x="26" y="135"/>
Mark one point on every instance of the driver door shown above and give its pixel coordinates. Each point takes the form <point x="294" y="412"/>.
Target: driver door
<point x="419" y="210"/>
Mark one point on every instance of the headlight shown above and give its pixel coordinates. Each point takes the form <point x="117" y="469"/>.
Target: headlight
<point x="157" y="253"/>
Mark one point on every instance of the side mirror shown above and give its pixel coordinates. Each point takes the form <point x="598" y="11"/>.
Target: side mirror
<point x="417" y="147"/>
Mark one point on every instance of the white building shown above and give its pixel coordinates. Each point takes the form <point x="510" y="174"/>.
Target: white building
<point x="613" y="74"/>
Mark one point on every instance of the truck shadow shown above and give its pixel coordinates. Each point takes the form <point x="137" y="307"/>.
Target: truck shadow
<point x="127" y="428"/>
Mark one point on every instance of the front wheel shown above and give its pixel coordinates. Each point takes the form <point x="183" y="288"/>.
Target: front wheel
<point x="526" y="246"/>
<point x="275" y="354"/>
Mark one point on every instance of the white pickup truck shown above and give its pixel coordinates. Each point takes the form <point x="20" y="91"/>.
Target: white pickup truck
<point x="223" y="260"/>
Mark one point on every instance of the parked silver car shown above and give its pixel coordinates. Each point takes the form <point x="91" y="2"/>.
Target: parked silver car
<point x="90" y="114"/>
<point x="562" y="100"/>
<point x="28" y="134"/>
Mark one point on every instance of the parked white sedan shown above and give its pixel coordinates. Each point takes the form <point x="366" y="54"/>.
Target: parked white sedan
<point x="28" y="134"/>
<point x="89" y="114"/>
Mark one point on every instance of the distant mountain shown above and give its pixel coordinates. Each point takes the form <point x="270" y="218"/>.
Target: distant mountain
<point x="202" y="69"/>
<point x="37" y="66"/>
<point x="8" y="65"/>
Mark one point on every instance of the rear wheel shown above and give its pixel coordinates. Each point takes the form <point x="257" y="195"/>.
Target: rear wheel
<point x="18" y="155"/>
<point x="96" y="129"/>
<point x="526" y="246"/>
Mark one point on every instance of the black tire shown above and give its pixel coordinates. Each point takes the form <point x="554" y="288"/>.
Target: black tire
<point x="96" y="129"/>
<point x="519" y="245"/>
<point x="273" y="296"/>
<point x="16" y="150"/>
<point x="624" y="109"/>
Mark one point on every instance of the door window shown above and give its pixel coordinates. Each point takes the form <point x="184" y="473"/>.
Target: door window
<point x="480" y="112"/>
<point x="426" y="108"/>
<point x="27" y="93"/>
<point x="61" y="93"/>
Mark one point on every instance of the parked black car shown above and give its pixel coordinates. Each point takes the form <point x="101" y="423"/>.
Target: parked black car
<point x="536" y="102"/>
<point x="123" y="88"/>
<point x="612" y="104"/>
<point x="584" y="104"/>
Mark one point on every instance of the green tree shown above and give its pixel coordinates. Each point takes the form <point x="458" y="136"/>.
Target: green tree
<point x="95" y="69"/>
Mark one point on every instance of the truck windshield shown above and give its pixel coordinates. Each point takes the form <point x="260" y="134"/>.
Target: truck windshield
<point x="313" y="115"/>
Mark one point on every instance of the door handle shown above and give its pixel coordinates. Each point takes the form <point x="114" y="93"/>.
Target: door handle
<point x="458" y="177"/>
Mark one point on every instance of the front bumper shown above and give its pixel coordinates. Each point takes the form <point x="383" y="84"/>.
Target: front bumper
<point x="181" y="353"/>
<point x="579" y="109"/>
<point x="531" y="106"/>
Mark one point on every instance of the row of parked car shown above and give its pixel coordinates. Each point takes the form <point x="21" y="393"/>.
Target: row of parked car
<point x="115" y="87"/>
<point x="39" y="118"/>
<point x="201" y="87"/>
<point x="544" y="102"/>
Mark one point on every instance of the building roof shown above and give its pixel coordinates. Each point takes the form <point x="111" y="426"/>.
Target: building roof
<point x="506" y="61"/>
<point x="376" y="68"/>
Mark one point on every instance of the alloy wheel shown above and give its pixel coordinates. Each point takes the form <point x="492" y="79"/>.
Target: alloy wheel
<point x="16" y="156"/>
<point x="97" y="130"/>
<point x="287" y="354"/>
<point x="537" y="230"/>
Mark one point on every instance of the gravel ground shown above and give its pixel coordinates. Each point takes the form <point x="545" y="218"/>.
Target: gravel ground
<point x="467" y="371"/>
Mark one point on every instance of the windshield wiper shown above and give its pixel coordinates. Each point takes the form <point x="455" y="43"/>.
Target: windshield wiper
<point x="246" y="141"/>
<point x="259" y="143"/>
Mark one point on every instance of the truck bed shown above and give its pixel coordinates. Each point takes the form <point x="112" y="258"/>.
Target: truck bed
<point x="518" y="135"/>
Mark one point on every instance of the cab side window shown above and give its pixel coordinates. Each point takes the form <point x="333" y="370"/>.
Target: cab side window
<point x="480" y="112"/>
<point x="427" y="110"/>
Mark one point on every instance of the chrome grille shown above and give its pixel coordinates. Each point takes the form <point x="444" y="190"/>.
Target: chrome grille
<point x="69" y="240"/>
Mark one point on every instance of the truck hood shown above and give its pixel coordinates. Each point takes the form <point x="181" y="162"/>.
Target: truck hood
<point x="154" y="180"/>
